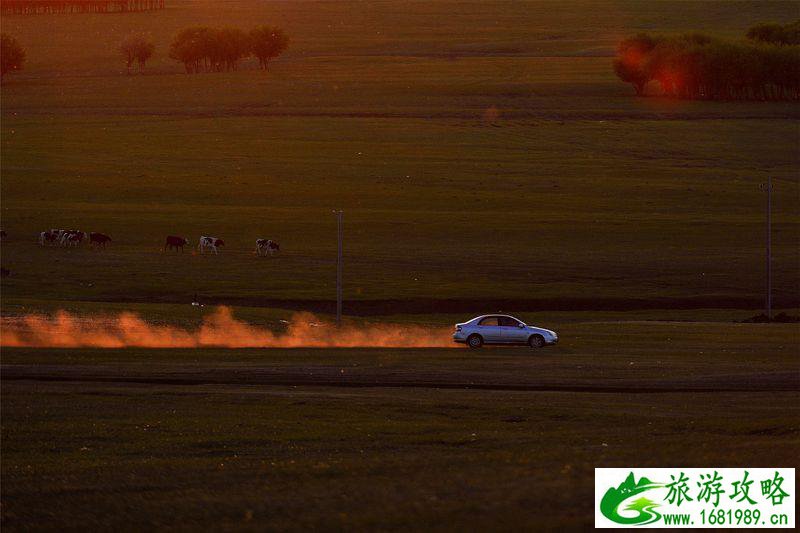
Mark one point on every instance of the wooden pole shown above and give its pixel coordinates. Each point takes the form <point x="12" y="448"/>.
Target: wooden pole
<point x="769" y="250"/>
<point x="339" y="267"/>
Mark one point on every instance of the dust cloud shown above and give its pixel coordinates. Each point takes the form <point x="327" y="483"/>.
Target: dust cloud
<point x="219" y="329"/>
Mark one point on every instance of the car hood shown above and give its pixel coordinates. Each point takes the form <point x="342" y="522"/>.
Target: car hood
<point x="542" y="330"/>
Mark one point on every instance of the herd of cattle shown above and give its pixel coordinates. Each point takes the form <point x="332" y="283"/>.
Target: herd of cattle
<point x="71" y="237"/>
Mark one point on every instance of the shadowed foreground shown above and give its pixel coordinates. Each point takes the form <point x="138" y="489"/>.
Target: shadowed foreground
<point x="191" y="438"/>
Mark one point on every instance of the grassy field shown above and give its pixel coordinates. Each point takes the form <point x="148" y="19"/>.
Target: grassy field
<point x="486" y="159"/>
<point x="479" y="151"/>
<point x="390" y="28"/>
<point x="199" y="438"/>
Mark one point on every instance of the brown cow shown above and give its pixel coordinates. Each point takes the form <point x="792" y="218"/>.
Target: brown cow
<point x="175" y="242"/>
<point x="99" y="239"/>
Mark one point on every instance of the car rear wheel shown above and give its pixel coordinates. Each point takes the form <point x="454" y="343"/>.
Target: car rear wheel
<point x="536" y="341"/>
<point x="474" y="341"/>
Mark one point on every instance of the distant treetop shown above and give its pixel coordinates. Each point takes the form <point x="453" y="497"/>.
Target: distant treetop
<point x="776" y="33"/>
<point x="267" y="43"/>
<point x="12" y="55"/>
<point x="138" y="49"/>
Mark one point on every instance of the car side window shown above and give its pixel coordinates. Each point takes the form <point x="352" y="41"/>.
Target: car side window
<point x="508" y="322"/>
<point x="488" y="321"/>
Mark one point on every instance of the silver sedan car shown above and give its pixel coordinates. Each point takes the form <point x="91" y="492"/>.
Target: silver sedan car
<point x="502" y="329"/>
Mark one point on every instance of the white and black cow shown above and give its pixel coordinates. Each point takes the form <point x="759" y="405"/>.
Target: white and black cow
<point x="72" y="237"/>
<point x="267" y="247"/>
<point x="210" y="243"/>
<point x="49" y="237"/>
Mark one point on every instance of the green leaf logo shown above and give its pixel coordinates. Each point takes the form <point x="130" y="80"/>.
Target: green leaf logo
<point x="629" y="488"/>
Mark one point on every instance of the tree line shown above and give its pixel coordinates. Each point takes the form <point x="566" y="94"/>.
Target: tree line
<point x="39" y="7"/>
<point x="204" y="49"/>
<point x="776" y="33"/>
<point x="200" y="49"/>
<point x="766" y="66"/>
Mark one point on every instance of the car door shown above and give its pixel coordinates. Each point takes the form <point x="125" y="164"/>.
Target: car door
<point x="511" y="332"/>
<point x="489" y="329"/>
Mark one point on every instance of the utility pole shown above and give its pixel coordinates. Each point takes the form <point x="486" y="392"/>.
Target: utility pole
<point x="339" y="266"/>
<point x="769" y="249"/>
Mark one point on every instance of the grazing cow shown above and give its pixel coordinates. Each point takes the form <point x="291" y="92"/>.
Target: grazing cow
<point x="72" y="237"/>
<point x="175" y="242"/>
<point x="51" y="236"/>
<point x="99" y="239"/>
<point x="62" y="235"/>
<point x="267" y="247"/>
<point x="211" y="243"/>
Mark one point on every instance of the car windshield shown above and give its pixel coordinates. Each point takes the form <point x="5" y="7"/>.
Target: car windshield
<point x="489" y="321"/>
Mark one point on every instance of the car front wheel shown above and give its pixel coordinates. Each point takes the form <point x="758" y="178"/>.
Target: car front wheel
<point x="474" y="341"/>
<point x="536" y="341"/>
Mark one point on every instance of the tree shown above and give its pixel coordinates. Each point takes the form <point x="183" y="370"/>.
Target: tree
<point x="203" y="49"/>
<point x="695" y="66"/>
<point x="776" y="33"/>
<point x="136" y="48"/>
<point x="233" y="45"/>
<point x="12" y="55"/>
<point x="267" y="43"/>
<point x="144" y="53"/>
<point x="187" y="48"/>
<point x="630" y="61"/>
<point x="632" y="74"/>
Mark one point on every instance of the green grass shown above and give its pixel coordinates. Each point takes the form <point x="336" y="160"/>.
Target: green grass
<point x="480" y="150"/>
<point x="526" y="210"/>
<point x="576" y="189"/>
<point x="389" y="28"/>
<point x="247" y="455"/>
<point x="234" y="457"/>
